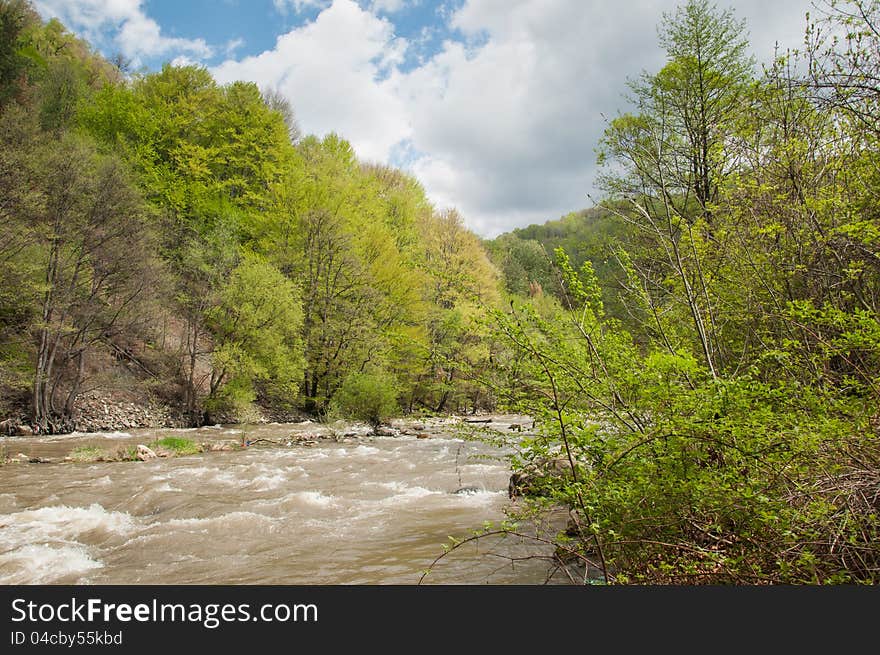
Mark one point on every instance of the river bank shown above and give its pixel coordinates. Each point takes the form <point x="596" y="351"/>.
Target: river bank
<point x="113" y="411"/>
<point x="120" y="445"/>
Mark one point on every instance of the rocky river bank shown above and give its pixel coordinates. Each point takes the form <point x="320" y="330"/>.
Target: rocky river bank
<point x="112" y="412"/>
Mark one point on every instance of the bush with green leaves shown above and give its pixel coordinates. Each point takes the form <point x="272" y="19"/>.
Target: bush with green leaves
<point x="678" y="476"/>
<point x="370" y="397"/>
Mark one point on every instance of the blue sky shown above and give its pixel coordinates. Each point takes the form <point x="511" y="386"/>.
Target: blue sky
<point x="496" y="106"/>
<point x="249" y="27"/>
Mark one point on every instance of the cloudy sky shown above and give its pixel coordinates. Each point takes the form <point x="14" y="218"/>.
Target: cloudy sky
<point x="495" y="105"/>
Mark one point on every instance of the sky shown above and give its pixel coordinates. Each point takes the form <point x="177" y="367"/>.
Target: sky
<point x="496" y="106"/>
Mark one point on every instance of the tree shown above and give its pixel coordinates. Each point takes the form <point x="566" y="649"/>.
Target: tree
<point x="15" y="17"/>
<point x="369" y="396"/>
<point x="278" y="102"/>
<point x="255" y="329"/>
<point x="94" y="237"/>
<point x="461" y="285"/>
<point x="733" y="440"/>
<point x="673" y="157"/>
<point x="346" y="232"/>
<point x="844" y="68"/>
<point x="702" y="87"/>
<point x="19" y="253"/>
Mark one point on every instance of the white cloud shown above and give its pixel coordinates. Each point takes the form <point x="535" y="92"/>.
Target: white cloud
<point x="510" y="125"/>
<point x="504" y="121"/>
<point x="339" y="73"/>
<point x="510" y="117"/>
<point x="232" y="45"/>
<point x="501" y="122"/>
<point x="136" y="34"/>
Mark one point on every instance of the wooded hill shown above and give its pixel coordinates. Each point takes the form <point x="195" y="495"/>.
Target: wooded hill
<point x="179" y="239"/>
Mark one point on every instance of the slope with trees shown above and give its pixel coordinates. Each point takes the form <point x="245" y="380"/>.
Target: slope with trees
<point x="168" y="234"/>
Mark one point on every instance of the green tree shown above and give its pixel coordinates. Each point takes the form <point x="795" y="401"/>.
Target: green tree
<point x="255" y="328"/>
<point x="673" y="156"/>
<point x="94" y="236"/>
<point x="731" y="441"/>
<point x="461" y="285"/>
<point x="345" y="231"/>
<point x="16" y="16"/>
<point x="369" y="396"/>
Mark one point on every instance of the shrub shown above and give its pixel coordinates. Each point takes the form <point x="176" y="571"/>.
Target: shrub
<point x="369" y="397"/>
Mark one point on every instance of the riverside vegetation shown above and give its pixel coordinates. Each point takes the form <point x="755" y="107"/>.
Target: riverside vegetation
<point x="700" y="352"/>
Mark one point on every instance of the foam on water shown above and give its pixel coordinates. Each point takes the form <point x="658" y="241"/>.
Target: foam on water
<point x="44" y="563"/>
<point x="480" y="498"/>
<point x="165" y="487"/>
<point x="294" y="512"/>
<point x="314" y="498"/>
<point x="246" y="519"/>
<point x="214" y="475"/>
<point x="473" y="469"/>
<point x="62" y="522"/>
<point x="405" y="493"/>
<point x="267" y="482"/>
<point x="44" y="546"/>
<point x="115" y="434"/>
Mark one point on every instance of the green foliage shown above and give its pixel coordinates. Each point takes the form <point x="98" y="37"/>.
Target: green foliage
<point x="255" y="325"/>
<point x="281" y="263"/>
<point x="15" y="17"/>
<point x="89" y="454"/>
<point x="526" y="255"/>
<point x="177" y="446"/>
<point x="722" y="428"/>
<point x="369" y="396"/>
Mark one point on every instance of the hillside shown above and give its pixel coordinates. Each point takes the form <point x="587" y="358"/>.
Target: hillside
<point x="170" y="240"/>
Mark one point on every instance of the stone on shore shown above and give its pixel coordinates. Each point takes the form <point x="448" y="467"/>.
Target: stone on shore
<point x="145" y="453"/>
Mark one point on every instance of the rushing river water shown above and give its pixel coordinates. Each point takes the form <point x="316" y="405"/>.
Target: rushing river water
<point x="361" y="510"/>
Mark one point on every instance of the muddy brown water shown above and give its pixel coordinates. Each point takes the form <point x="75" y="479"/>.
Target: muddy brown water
<point x="350" y="510"/>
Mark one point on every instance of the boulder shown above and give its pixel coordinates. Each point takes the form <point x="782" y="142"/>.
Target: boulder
<point x="9" y="426"/>
<point x="145" y="453"/>
<point x="533" y="478"/>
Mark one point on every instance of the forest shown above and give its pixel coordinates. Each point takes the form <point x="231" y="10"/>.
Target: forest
<point x="182" y="239"/>
<point x="700" y="351"/>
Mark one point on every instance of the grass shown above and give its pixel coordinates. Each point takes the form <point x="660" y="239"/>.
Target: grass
<point x="177" y="446"/>
<point x="89" y="454"/>
<point x="166" y="447"/>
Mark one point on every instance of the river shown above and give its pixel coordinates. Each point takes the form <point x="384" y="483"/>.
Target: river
<point x="356" y="509"/>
